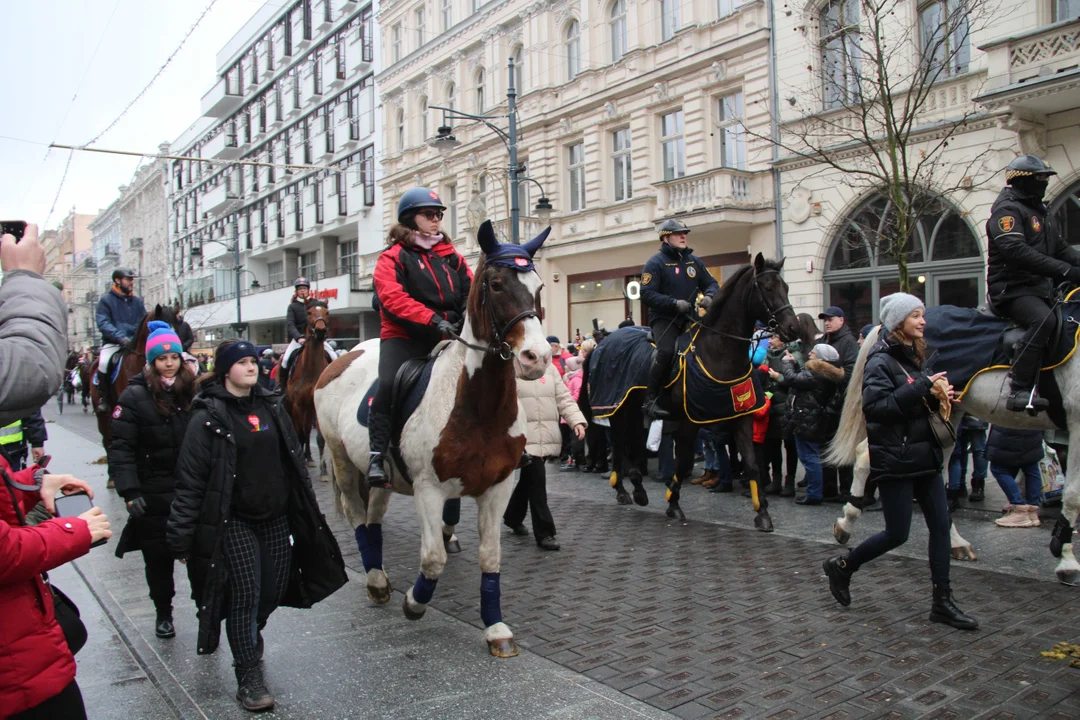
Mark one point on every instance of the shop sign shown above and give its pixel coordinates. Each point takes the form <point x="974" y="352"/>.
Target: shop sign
<point x="327" y="294"/>
<point x="633" y="290"/>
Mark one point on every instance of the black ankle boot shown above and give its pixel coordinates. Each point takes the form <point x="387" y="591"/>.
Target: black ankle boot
<point x="164" y="627"/>
<point x="839" y="578"/>
<point x="251" y="689"/>
<point x="376" y="474"/>
<point x="978" y="490"/>
<point x="944" y="610"/>
<point x="378" y="441"/>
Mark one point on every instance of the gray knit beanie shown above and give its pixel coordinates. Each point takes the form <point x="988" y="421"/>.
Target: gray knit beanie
<point x="826" y="352"/>
<point x="896" y="307"/>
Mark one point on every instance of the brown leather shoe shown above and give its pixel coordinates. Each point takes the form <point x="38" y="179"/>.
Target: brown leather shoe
<point x="713" y="481"/>
<point x="705" y="476"/>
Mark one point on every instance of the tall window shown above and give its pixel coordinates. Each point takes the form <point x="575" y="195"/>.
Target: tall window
<point x="726" y="7"/>
<point x="840" y="52"/>
<point x="1066" y="9"/>
<point x="476" y="5"/>
<point x="328" y="129"/>
<point x="447" y="14"/>
<point x="619" y="38"/>
<point x="340" y="66"/>
<point x="367" y="174"/>
<point x="519" y="69"/>
<point x="573" y="50"/>
<point x="275" y="273"/>
<point x="342" y="193"/>
<point x="316" y="73"/>
<point x="269" y="53"/>
<point x="480" y="91"/>
<point x="317" y="189"/>
<point x="280" y="217"/>
<point x="669" y="18"/>
<point x="945" y="36"/>
<point x="367" y="101"/>
<point x="576" y="166"/>
<point x="451" y="210"/>
<point x="296" y="88"/>
<point x="287" y="27"/>
<point x="671" y="143"/>
<point x="353" y="100"/>
<point x="451" y="95"/>
<point x="400" y="129"/>
<point x="298" y="210"/>
<point x="732" y="132"/>
<point x="421" y="28"/>
<point x="305" y="135"/>
<point x="620" y="156"/>
<point x="395" y="42"/>
<point x="367" y="34"/>
<point x="348" y="255"/>
<point x="423" y="119"/>
<point x="306" y="7"/>
<point x="309" y="264"/>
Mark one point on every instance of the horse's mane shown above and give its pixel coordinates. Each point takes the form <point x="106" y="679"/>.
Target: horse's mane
<point x="473" y="306"/>
<point x="727" y="289"/>
<point x="852" y="429"/>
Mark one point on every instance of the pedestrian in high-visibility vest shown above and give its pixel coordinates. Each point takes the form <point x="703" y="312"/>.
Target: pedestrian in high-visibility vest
<point x="14" y="438"/>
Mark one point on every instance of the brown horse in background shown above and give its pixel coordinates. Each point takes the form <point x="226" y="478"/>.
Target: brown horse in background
<point x="305" y="372"/>
<point x="87" y="368"/>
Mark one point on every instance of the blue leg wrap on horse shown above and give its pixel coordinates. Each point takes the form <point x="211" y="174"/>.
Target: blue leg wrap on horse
<point x="369" y="542"/>
<point x="424" y="589"/>
<point x="490" y="603"/>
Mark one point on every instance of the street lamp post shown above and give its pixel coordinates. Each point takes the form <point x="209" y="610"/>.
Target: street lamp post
<point x="238" y="269"/>
<point x="445" y="142"/>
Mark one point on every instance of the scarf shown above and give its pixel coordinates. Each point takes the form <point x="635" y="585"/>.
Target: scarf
<point x="425" y="241"/>
<point x="167" y="381"/>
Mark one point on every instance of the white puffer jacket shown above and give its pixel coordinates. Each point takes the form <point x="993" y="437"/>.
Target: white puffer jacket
<point x="543" y="402"/>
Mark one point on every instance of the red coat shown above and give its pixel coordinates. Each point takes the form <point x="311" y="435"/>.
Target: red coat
<point x="761" y="422"/>
<point x="413" y="286"/>
<point x="35" y="663"/>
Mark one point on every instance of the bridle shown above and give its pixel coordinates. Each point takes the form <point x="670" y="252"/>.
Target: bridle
<point x="498" y="345"/>
<point x="772" y="313"/>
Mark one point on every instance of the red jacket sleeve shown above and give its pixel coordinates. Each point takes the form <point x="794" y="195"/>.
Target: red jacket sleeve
<point x="391" y="294"/>
<point x="26" y="552"/>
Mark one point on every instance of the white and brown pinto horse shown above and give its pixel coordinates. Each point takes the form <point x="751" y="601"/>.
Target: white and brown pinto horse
<point x="464" y="439"/>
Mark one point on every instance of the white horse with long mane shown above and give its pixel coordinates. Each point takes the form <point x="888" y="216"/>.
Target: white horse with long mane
<point x="464" y="438"/>
<point x="985" y="399"/>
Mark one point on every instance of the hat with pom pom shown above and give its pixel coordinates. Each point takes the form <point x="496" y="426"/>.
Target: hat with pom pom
<point x="162" y="339"/>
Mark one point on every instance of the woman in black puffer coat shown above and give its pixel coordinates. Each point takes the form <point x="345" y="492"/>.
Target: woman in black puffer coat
<point x="148" y="428"/>
<point x="905" y="458"/>
<point x="242" y="492"/>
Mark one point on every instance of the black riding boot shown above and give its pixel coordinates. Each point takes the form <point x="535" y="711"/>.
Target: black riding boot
<point x="378" y="441"/>
<point x="839" y="574"/>
<point x="1024" y="373"/>
<point x="164" y="627"/>
<point x="657" y="375"/>
<point x="103" y="405"/>
<point x="944" y="610"/>
<point x="251" y="689"/>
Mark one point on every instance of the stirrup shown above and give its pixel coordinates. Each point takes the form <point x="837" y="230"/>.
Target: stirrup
<point x="652" y="409"/>
<point x="378" y="479"/>
<point x="1026" y="401"/>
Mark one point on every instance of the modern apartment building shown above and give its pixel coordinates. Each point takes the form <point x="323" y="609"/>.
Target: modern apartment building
<point x="629" y="113"/>
<point x="295" y="100"/>
<point x="144" y="242"/>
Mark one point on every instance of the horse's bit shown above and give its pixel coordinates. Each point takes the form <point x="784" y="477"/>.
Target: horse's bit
<point x="497" y="346"/>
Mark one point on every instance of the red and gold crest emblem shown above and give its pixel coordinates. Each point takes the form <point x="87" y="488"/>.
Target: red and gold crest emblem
<point x="646" y="278"/>
<point x="1007" y="223"/>
<point x="743" y="397"/>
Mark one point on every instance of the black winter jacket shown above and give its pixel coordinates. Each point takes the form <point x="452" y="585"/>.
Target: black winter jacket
<point x="902" y="444"/>
<point x="1027" y="254"/>
<point x="296" y="319"/>
<point x="812" y="391"/>
<point x="142" y="453"/>
<point x="1014" y="448"/>
<point x="843" y="340"/>
<point x="672" y="275"/>
<point x="204" y="488"/>
<point x="778" y="410"/>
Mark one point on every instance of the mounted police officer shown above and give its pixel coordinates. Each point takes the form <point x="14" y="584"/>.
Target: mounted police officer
<point x="670" y="281"/>
<point x="1027" y="259"/>
<point x="119" y="313"/>
<point x="295" y="325"/>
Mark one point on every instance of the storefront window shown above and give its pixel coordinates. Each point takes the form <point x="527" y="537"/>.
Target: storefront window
<point x="603" y="300"/>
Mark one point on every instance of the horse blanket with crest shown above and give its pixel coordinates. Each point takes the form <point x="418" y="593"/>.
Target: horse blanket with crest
<point x="617" y="366"/>
<point x="710" y="400"/>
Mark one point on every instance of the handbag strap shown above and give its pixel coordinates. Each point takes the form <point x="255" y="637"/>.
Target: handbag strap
<point x="11" y="486"/>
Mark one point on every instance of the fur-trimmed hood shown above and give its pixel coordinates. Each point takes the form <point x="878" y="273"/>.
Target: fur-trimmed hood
<point x="830" y="371"/>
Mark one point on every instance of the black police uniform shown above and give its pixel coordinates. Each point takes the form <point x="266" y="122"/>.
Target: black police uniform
<point x="1027" y="258"/>
<point x="669" y="276"/>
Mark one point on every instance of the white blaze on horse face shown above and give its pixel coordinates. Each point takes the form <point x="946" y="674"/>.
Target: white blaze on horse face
<point x="533" y="353"/>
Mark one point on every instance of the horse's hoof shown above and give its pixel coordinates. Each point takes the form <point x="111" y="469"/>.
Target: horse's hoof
<point x="641" y="498"/>
<point x="675" y="513"/>
<point x="763" y="522"/>
<point x="381" y="595"/>
<point x="1069" y="577"/>
<point x="503" y="647"/>
<point x="451" y="545"/>
<point x="624" y="499"/>
<point x="410" y="613"/>
<point x="964" y="552"/>
<point x="842" y="535"/>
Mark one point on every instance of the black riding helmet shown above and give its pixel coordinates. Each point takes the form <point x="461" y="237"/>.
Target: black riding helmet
<point x="672" y="226"/>
<point x="122" y="273"/>
<point x="1026" y="166"/>
<point x="417" y="198"/>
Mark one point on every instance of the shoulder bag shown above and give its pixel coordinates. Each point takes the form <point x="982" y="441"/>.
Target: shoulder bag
<point x="943" y="430"/>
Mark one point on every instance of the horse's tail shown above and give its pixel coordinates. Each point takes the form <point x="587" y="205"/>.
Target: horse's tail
<point x="852" y="429"/>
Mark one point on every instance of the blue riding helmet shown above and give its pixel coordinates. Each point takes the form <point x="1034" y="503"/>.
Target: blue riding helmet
<point x="301" y="282"/>
<point x="418" y="198"/>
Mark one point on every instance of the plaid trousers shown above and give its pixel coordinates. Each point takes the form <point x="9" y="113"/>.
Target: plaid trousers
<point x="258" y="557"/>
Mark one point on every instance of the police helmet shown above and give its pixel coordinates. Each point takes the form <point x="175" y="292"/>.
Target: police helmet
<point x="301" y="282"/>
<point x="122" y="273"/>
<point x="673" y="226"/>
<point x="417" y="198"/>
<point x="1026" y="166"/>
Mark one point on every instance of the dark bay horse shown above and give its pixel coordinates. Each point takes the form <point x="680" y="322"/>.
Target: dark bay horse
<point x="722" y="344"/>
<point x="87" y="368"/>
<point x="305" y="372"/>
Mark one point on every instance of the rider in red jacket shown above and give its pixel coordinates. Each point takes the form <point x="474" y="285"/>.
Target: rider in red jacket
<point x="36" y="665"/>
<point x="421" y="286"/>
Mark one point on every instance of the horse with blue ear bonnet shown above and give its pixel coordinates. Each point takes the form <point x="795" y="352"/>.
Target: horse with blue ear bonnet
<point x="464" y="437"/>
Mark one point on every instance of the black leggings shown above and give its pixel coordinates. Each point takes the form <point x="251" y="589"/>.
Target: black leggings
<point x="392" y="353"/>
<point x="1032" y="313"/>
<point x="896" y="497"/>
<point x="66" y="704"/>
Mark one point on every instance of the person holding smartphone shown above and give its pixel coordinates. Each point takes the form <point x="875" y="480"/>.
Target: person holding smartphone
<point x="148" y="428"/>
<point x="242" y="492"/>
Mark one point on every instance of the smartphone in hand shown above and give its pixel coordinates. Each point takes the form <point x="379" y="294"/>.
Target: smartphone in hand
<point x="13" y="227"/>
<point x="74" y="505"/>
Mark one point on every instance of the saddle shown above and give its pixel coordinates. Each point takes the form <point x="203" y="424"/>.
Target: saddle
<point x="112" y="368"/>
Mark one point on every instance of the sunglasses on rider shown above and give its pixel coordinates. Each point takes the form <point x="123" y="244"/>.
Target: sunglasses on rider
<point x="432" y="214"/>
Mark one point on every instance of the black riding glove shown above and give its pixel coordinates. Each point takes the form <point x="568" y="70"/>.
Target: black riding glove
<point x="136" y="508"/>
<point x="705" y="302"/>
<point x="682" y="307"/>
<point x="1073" y="275"/>
<point x="444" y="326"/>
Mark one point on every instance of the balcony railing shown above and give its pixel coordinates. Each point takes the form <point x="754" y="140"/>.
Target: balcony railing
<point x="1020" y="63"/>
<point x="717" y="188"/>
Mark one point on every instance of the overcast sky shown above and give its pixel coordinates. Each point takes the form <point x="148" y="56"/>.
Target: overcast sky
<point x="48" y="46"/>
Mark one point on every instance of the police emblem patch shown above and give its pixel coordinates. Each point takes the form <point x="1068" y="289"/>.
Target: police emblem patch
<point x="1036" y="224"/>
<point x="646" y="278"/>
<point x="691" y="271"/>
<point x="1007" y="223"/>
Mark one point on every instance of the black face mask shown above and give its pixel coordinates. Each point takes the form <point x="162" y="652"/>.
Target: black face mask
<point x="1035" y="187"/>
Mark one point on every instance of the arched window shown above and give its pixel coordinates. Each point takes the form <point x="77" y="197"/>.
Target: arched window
<point x="618" y="30"/>
<point x="451" y="95"/>
<point x="573" y="50"/>
<point x="400" y="130"/>
<point x="480" y="91"/>
<point x="944" y="260"/>
<point x="519" y="69"/>
<point x="423" y="119"/>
